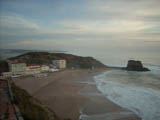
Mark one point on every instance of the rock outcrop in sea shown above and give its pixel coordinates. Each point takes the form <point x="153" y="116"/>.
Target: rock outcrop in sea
<point x="135" y="66"/>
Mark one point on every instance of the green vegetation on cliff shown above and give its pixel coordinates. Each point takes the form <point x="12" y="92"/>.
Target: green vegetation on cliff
<point x="31" y="109"/>
<point x="73" y="61"/>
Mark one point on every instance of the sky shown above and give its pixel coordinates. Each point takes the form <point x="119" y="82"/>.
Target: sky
<point x="86" y="25"/>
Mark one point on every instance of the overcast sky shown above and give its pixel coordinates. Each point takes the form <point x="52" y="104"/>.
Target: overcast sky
<point x="80" y="24"/>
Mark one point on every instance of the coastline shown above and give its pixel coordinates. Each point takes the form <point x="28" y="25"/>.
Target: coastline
<point x="73" y="91"/>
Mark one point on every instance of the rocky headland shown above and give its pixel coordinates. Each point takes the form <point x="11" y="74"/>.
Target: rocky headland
<point x="73" y="61"/>
<point x="135" y="66"/>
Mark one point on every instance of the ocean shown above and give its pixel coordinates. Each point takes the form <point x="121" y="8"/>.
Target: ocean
<point x="136" y="91"/>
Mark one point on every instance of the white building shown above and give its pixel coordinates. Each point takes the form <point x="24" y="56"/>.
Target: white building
<point x="6" y="74"/>
<point x="60" y="64"/>
<point x="53" y="70"/>
<point x="33" y="69"/>
<point x="44" y="68"/>
<point x="17" y="68"/>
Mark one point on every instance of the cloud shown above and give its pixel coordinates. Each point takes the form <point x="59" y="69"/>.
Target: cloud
<point x="20" y="32"/>
<point x="17" y="23"/>
<point x="142" y="10"/>
<point x="102" y="26"/>
<point x="77" y="25"/>
<point x="18" y="28"/>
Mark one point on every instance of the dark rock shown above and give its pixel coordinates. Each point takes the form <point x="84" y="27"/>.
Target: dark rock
<point x="135" y="66"/>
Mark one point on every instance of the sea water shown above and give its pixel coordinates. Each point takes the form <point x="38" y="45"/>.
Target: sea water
<point x="136" y="91"/>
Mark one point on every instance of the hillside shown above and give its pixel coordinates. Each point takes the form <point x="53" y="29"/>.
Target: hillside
<point x="3" y="66"/>
<point x="30" y="107"/>
<point x="73" y="61"/>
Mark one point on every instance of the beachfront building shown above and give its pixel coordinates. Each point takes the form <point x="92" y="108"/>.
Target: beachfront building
<point x="44" y="68"/>
<point x="53" y="70"/>
<point x="33" y="69"/>
<point x="17" y="68"/>
<point x="60" y="64"/>
<point x="6" y="74"/>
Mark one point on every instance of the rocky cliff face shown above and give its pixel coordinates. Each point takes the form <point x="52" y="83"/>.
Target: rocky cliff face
<point x="135" y="66"/>
<point x="73" y="61"/>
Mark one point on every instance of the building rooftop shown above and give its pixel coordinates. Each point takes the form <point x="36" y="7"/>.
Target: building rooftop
<point x="28" y="65"/>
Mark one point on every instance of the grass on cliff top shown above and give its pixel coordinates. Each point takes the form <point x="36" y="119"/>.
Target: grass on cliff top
<point x="30" y="108"/>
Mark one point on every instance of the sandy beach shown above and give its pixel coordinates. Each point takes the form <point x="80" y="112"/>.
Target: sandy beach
<point x="71" y="93"/>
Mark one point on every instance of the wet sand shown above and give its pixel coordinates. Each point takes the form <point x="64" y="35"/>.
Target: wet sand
<point x="69" y="94"/>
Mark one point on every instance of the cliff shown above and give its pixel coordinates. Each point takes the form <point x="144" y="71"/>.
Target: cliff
<point x="73" y="61"/>
<point x="31" y="108"/>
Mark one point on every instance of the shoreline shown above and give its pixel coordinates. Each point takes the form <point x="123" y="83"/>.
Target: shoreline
<point x="98" y="107"/>
<point x="69" y="91"/>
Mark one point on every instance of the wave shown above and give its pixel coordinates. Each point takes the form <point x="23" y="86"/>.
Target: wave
<point x="136" y="91"/>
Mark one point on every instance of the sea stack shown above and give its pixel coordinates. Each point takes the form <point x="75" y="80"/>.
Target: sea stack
<point x="135" y="66"/>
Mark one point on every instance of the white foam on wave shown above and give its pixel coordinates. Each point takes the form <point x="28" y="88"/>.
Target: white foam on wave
<point x="107" y="116"/>
<point x="144" y="101"/>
